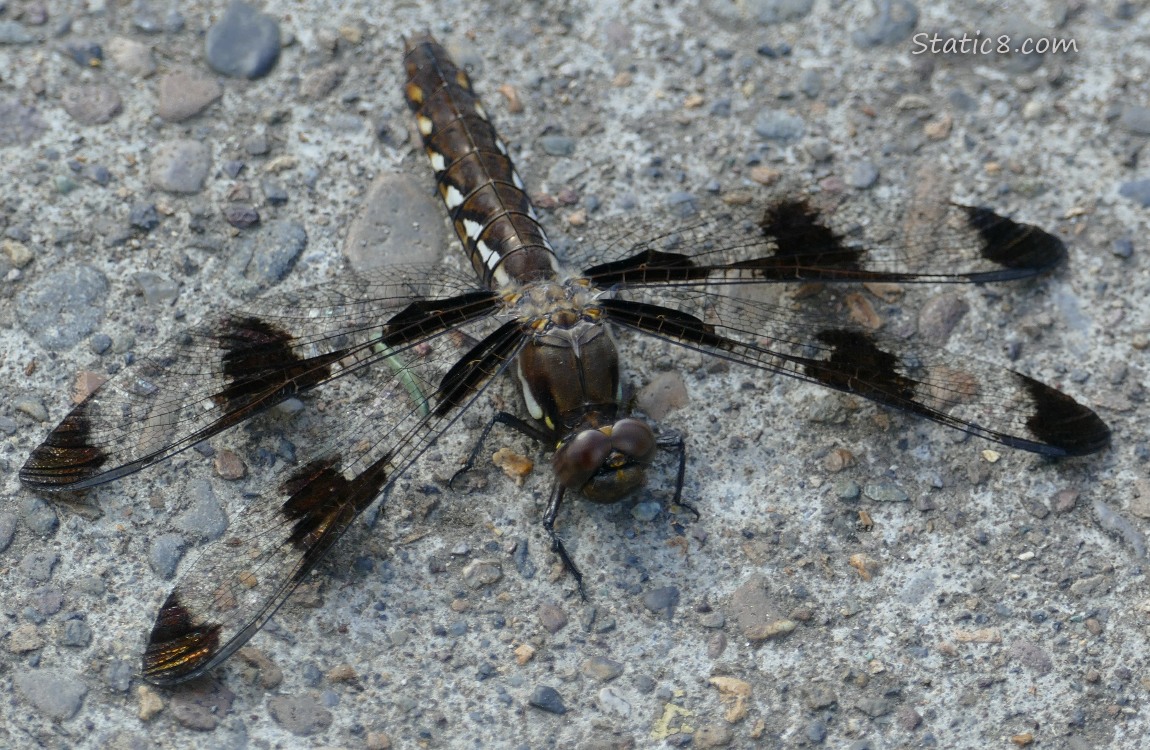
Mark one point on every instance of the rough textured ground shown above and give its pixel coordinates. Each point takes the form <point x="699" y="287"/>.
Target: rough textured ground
<point x="993" y="601"/>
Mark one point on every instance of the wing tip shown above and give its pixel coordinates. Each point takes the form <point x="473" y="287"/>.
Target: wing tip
<point x="1021" y="250"/>
<point x="178" y="649"/>
<point x="1067" y="427"/>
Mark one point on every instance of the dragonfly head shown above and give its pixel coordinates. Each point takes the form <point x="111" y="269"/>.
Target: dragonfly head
<point x="607" y="462"/>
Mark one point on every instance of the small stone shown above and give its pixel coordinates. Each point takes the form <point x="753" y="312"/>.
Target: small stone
<point x="241" y="215"/>
<point x="180" y="166"/>
<point x="156" y="289"/>
<point x="552" y="618"/>
<point x="319" y="83"/>
<point x="1135" y="119"/>
<point x="39" y="516"/>
<point x="875" y="707"/>
<point x="12" y="32"/>
<point x="664" y="394"/>
<point x="811" y="83"/>
<point x="557" y="145"/>
<point x="662" y="600"/>
<point x="612" y="701"/>
<point x="817" y="731"/>
<point x="229" y="466"/>
<point x="862" y="175"/>
<point x="278" y="247"/>
<point x="480" y="573"/>
<point x="57" y="695"/>
<point x="165" y="553"/>
<point x="257" y="144"/>
<point x="602" y="669"/>
<point x="770" y="630"/>
<point x="713" y="735"/>
<point x="1122" y="247"/>
<point x="202" y="705"/>
<point x="547" y="699"/>
<point x="885" y="492"/>
<point x="132" y="57"/>
<point x="779" y="125"/>
<point x="18" y="253"/>
<point x="93" y="104"/>
<point x="143" y="215"/>
<point x="118" y="675"/>
<point x="1064" y="501"/>
<point x="84" y="52"/>
<point x="185" y="93"/>
<point x="37" y="565"/>
<point x="24" y="639"/>
<point x="892" y="23"/>
<point x="1137" y="191"/>
<point x="274" y="193"/>
<point x="7" y="529"/>
<point x="205" y="518"/>
<point x="524" y="653"/>
<point x="244" y="43"/>
<point x="77" y="634"/>
<point x="150" y="703"/>
<point x="939" y="317"/>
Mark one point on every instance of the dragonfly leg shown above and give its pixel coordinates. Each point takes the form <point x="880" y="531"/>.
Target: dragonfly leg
<point x="503" y="418"/>
<point x="674" y="442"/>
<point x="557" y="547"/>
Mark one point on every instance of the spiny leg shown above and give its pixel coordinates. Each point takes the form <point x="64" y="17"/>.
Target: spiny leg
<point x="557" y="492"/>
<point x="674" y="441"/>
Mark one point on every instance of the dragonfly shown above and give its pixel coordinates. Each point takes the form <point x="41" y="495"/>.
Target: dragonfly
<point x="426" y="344"/>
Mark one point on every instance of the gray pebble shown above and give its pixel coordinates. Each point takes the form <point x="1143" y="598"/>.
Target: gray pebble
<point x="612" y="701"/>
<point x="57" y="695"/>
<point x="185" y="93"/>
<point x="548" y="699"/>
<point x="39" y="516"/>
<point x="98" y="174"/>
<point x="819" y="149"/>
<point x="7" y="529"/>
<point x="662" y="600"/>
<point x="862" y="175"/>
<point x="480" y="573"/>
<point x="645" y="684"/>
<point x="63" y="308"/>
<point x="1135" y="119"/>
<point x="92" y="104"/>
<point x="939" y="316"/>
<point x="180" y="166"/>
<point x="846" y="490"/>
<point x="274" y="193"/>
<point x="602" y="669"/>
<point x="89" y="584"/>
<point x="244" y="43"/>
<point x="100" y="343"/>
<point x="682" y="204"/>
<point x="277" y="249"/>
<point x="875" y="707"/>
<point x="257" y="144"/>
<point x="47" y="602"/>
<point x="817" y="731"/>
<point x="1136" y="190"/>
<point x="1122" y="247"/>
<point x="76" y="634"/>
<point x="241" y="215"/>
<point x="19" y="125"/>
<point x="301" y="715"/>
<point x="398" y="224"/>
<point x="552" y="618"/>
<point x="779" y="125"/>
<point x="143" y="215"/>
<point x="894" y="21"/>
<point x="165" y="553"/>
<point x="201" y="706"/>
<point x="37" y="566"/>
<point x="646" y="512"/>
<point x="132" y="57"/>
<point x="557" y="145"/>
<point x="12" y="32"/>
<point x="885" y="492"/>
<point x="7" y="425"/>
<point x="205" y="519"/>
<point x="118" y="675"/>
<point x="811" y="83"/>
<point x="84" y="52"/>
<point x="1031" y="656"/>
<point x="156" y="289"/>
<point x="233" y="167"/>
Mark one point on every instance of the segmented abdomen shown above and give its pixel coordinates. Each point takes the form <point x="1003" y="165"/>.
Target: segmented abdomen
<point x="480" y="187"/>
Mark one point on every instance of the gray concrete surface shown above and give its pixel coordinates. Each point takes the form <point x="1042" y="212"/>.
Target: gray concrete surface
<point x="1004" y="602"/>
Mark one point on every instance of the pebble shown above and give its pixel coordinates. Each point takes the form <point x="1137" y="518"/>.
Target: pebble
<point x="320" y="82"/>
<point x="241" y="215"/>
<point x="939" y="316"/>
<point x="184" y="93"/>
<point x="1135" y="119"/>
<point x="92" y="104"/>
<point x="713" y="735"/>
<point x="663" y="395"/>
<point x="557" y="145"/>
<point x="132" y="57"/>
<point x="552" y="618"/>
<point x="150" y="703"/>
<point x="278" y="247"/>
<point x="893" y="22"/>
<point x="397" y="224"/>
<point x="39" y="516"/>
<point x="257" y="144"/>
<point x="76" y="634"/>
<point x="547" y="699"/>
<point x="84" y="52"/>
<point x="885" y="492"/>
<point x="118" y="675"/>
<point x="244" y="43"/>
<point x="12" y="32"/>
<point x="274" y="193"/>
<point x="602" y="669"/>
<point x="143" y="215"/>
<point x="165" y="553"/>
<point x="204" y="519"/>
<point x="612" y="701"/>
<point x="156" y="289"/>
<point x="1122" y="247"/>
<point x="779" y="125"/>
<point x="7" y="529"/>
<point x="1136" y="190"/>
<point x="229" y="466"/>
<point x="646" y="512"/>
<point x="811" y="83"/>
<point x="817" y="731"/>
<point x="57" y="695"/>
<point x="48" y="601"/>
<point x="37" y="565"/>
<point x="19" y="125"/>
<point x="24" y="639"/>
<point x="180" y="166"/>
<point x="18" y="253"/>
<point x="480" y="573"/>
<point x="662" y="601"/>
<point x="301" y="714"/>
<point x="1031" y="656"/>
<point x="201" y="707"/>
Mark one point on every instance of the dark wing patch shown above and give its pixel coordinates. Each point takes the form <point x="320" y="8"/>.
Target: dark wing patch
<point x="223" y="371"/>
<point x="968" y="395"/>
<point x="792" y="240"/>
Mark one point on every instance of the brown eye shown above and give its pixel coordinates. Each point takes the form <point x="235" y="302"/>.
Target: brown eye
<point x="577" y="460"/>
<point x="634" y="440"/>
